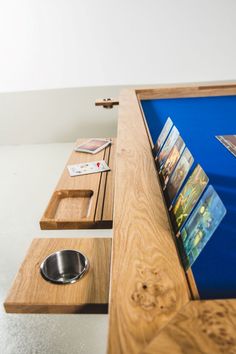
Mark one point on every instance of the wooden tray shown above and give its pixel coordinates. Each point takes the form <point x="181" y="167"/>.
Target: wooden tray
<point x="83" y="201"/>
<point x="30" y="293"/>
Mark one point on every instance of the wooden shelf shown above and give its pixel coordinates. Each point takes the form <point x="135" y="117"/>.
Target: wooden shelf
<point x="84" y="201"/>
<point x="30" y="293"/>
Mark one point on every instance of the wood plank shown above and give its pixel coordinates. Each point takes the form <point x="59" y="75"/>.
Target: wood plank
<point x="30" y="293"/>
<point x="148" y="284"/>
<point x="201" y="327"/>
<point x="192" y="284"/>
<point x="104" y="212"/>
<point x="110" y="186"/>
<point x="188" y="90"/>
<point x="74" y="202"/>
<point x="106" y="102"/>
<point x="102" y="188"/>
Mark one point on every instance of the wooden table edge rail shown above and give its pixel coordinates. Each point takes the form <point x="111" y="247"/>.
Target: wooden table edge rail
<point x="148" y="285"/>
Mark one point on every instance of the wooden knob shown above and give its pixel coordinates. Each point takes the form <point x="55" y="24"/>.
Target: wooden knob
<point x="107" y="103"/>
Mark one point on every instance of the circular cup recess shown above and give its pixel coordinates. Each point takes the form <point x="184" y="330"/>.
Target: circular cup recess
<point x="64" y="267"/>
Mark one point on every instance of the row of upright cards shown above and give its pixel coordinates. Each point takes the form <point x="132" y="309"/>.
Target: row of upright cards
<point x="195" y="209"/>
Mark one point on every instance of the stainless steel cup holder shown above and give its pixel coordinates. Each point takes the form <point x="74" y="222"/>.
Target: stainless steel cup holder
<point x="64" y="267"/>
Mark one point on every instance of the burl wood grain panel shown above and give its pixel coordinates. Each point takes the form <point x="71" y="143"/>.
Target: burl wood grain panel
<point x="30" y="293"/>
<point x="148" y="284"/>
<point x="201" y="327"/>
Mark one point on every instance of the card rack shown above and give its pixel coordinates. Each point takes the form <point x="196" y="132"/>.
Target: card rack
<point x="83" y="202"/>
<point x="168" y="206"/>
<point x="178" y="242"/>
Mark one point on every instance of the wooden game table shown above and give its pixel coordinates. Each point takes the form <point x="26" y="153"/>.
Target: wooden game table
<point x="154" y="306"/>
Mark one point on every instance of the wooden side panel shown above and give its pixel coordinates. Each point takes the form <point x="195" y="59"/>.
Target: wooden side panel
<point x="30" y="293"/>
<point x="189" y="90"/>
<point x="148" y="285"/>
<point x="110" y="186"/>
<point x="102" y="189"/>
<point x="104" y="211"/>
<point x="200" y="327"/>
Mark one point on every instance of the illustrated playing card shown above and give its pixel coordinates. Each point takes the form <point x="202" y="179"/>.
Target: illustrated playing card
<point x="87" y="168"/>
<point x="93" y="146"/>
<point x="163" y="135"/>
<point x="201" y="225"/>
<point x="189" y="195"/>
<point x="172" y="159"/>
<point x="229" y="141"/>
<point x="166" y="148"/>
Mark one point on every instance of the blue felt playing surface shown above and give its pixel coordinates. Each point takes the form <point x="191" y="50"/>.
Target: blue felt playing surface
<point x="198" y="121"/>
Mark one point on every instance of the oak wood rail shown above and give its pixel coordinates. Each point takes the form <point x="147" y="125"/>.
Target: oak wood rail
<point x="148" y="285"/>
<point x="151" y="308"/>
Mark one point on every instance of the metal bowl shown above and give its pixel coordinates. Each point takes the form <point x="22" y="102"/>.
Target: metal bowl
<point x="64" y="267"/>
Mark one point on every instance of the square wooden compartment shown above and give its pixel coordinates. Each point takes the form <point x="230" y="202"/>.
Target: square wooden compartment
<point x="30" y="293"/>
<point x="69" y="206"/>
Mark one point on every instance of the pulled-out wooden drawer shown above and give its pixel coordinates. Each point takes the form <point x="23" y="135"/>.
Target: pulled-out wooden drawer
<point x="84" y="201"/>
<point x="31" y="293"/>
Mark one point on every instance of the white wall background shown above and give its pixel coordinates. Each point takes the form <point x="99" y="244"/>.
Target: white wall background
<point x="96" y="45"/>
<point x="56" y="58"/>
<point x="75" y="43"/>
<point x="60" y="115"/>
